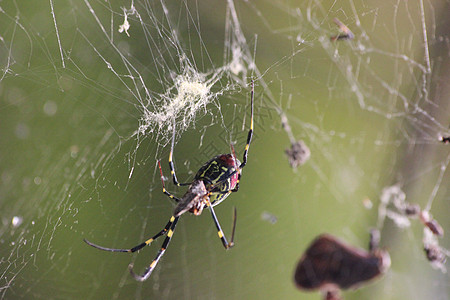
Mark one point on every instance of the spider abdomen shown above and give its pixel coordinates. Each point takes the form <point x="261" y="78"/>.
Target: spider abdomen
<point x="216" y="173"/>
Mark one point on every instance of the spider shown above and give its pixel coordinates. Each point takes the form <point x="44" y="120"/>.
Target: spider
<point x="212" y="184"/>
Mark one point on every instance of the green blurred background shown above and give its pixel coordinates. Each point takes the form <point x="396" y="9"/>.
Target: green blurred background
<point x="371" y="110"/>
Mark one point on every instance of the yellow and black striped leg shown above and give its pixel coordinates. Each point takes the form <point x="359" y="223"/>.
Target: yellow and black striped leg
<point x="138" y="247"/>
<point x="171" y="166"/>
<point x="164" y="187"/>
<point x="250" y="132"/>
<point x="172" y="171"/>
<point x="219" y="229"/>
<point x="173" y="222"/>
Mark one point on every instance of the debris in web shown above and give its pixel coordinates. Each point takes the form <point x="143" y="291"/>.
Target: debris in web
<point x="298" y="154"/>
<point x="395" y="207"/>
<point x="346" y="34"/>
<point x="182" y="102"/>
<point x="126" y="25"/>
<point x="431" y="223"/>
<point x="436" y="255"/>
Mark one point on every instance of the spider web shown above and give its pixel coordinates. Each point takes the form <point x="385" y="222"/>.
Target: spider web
<point x="92" y="92"/>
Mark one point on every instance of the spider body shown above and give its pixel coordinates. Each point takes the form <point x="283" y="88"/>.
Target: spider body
<point x="212" y="184"/>
<point x="220" y="174"/>
<point x="215" y="180"/>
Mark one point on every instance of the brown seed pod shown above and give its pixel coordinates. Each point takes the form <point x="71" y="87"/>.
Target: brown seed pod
<point x="329" y="264"/>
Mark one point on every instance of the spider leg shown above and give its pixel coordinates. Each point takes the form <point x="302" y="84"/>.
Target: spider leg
<point x="138" y="247"/>
<point x="220" y="233"/>
<point x="249" y="140"/>
<point x="164" y="188"/>
<point x="236" y="188"/>
<point x="171" y="166"/>
<point x="250" y="132"/>
<point x="173" y="222"/>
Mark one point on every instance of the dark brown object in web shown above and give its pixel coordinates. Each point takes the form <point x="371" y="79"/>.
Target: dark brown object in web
<point x="330" y="265"/>
<point x="431" y="223"/>
<point x="445" y="139"/>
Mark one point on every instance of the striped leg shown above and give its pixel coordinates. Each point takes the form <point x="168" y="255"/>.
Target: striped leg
<point x="173" y="221"/>
<point x="138" y="247"/>
<point x="250" y="132"/>
<point x="171" y="166"/>
<point x="249" y="140"/>
<point x="164" y="187"/>
<point x="219" y="229"/>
